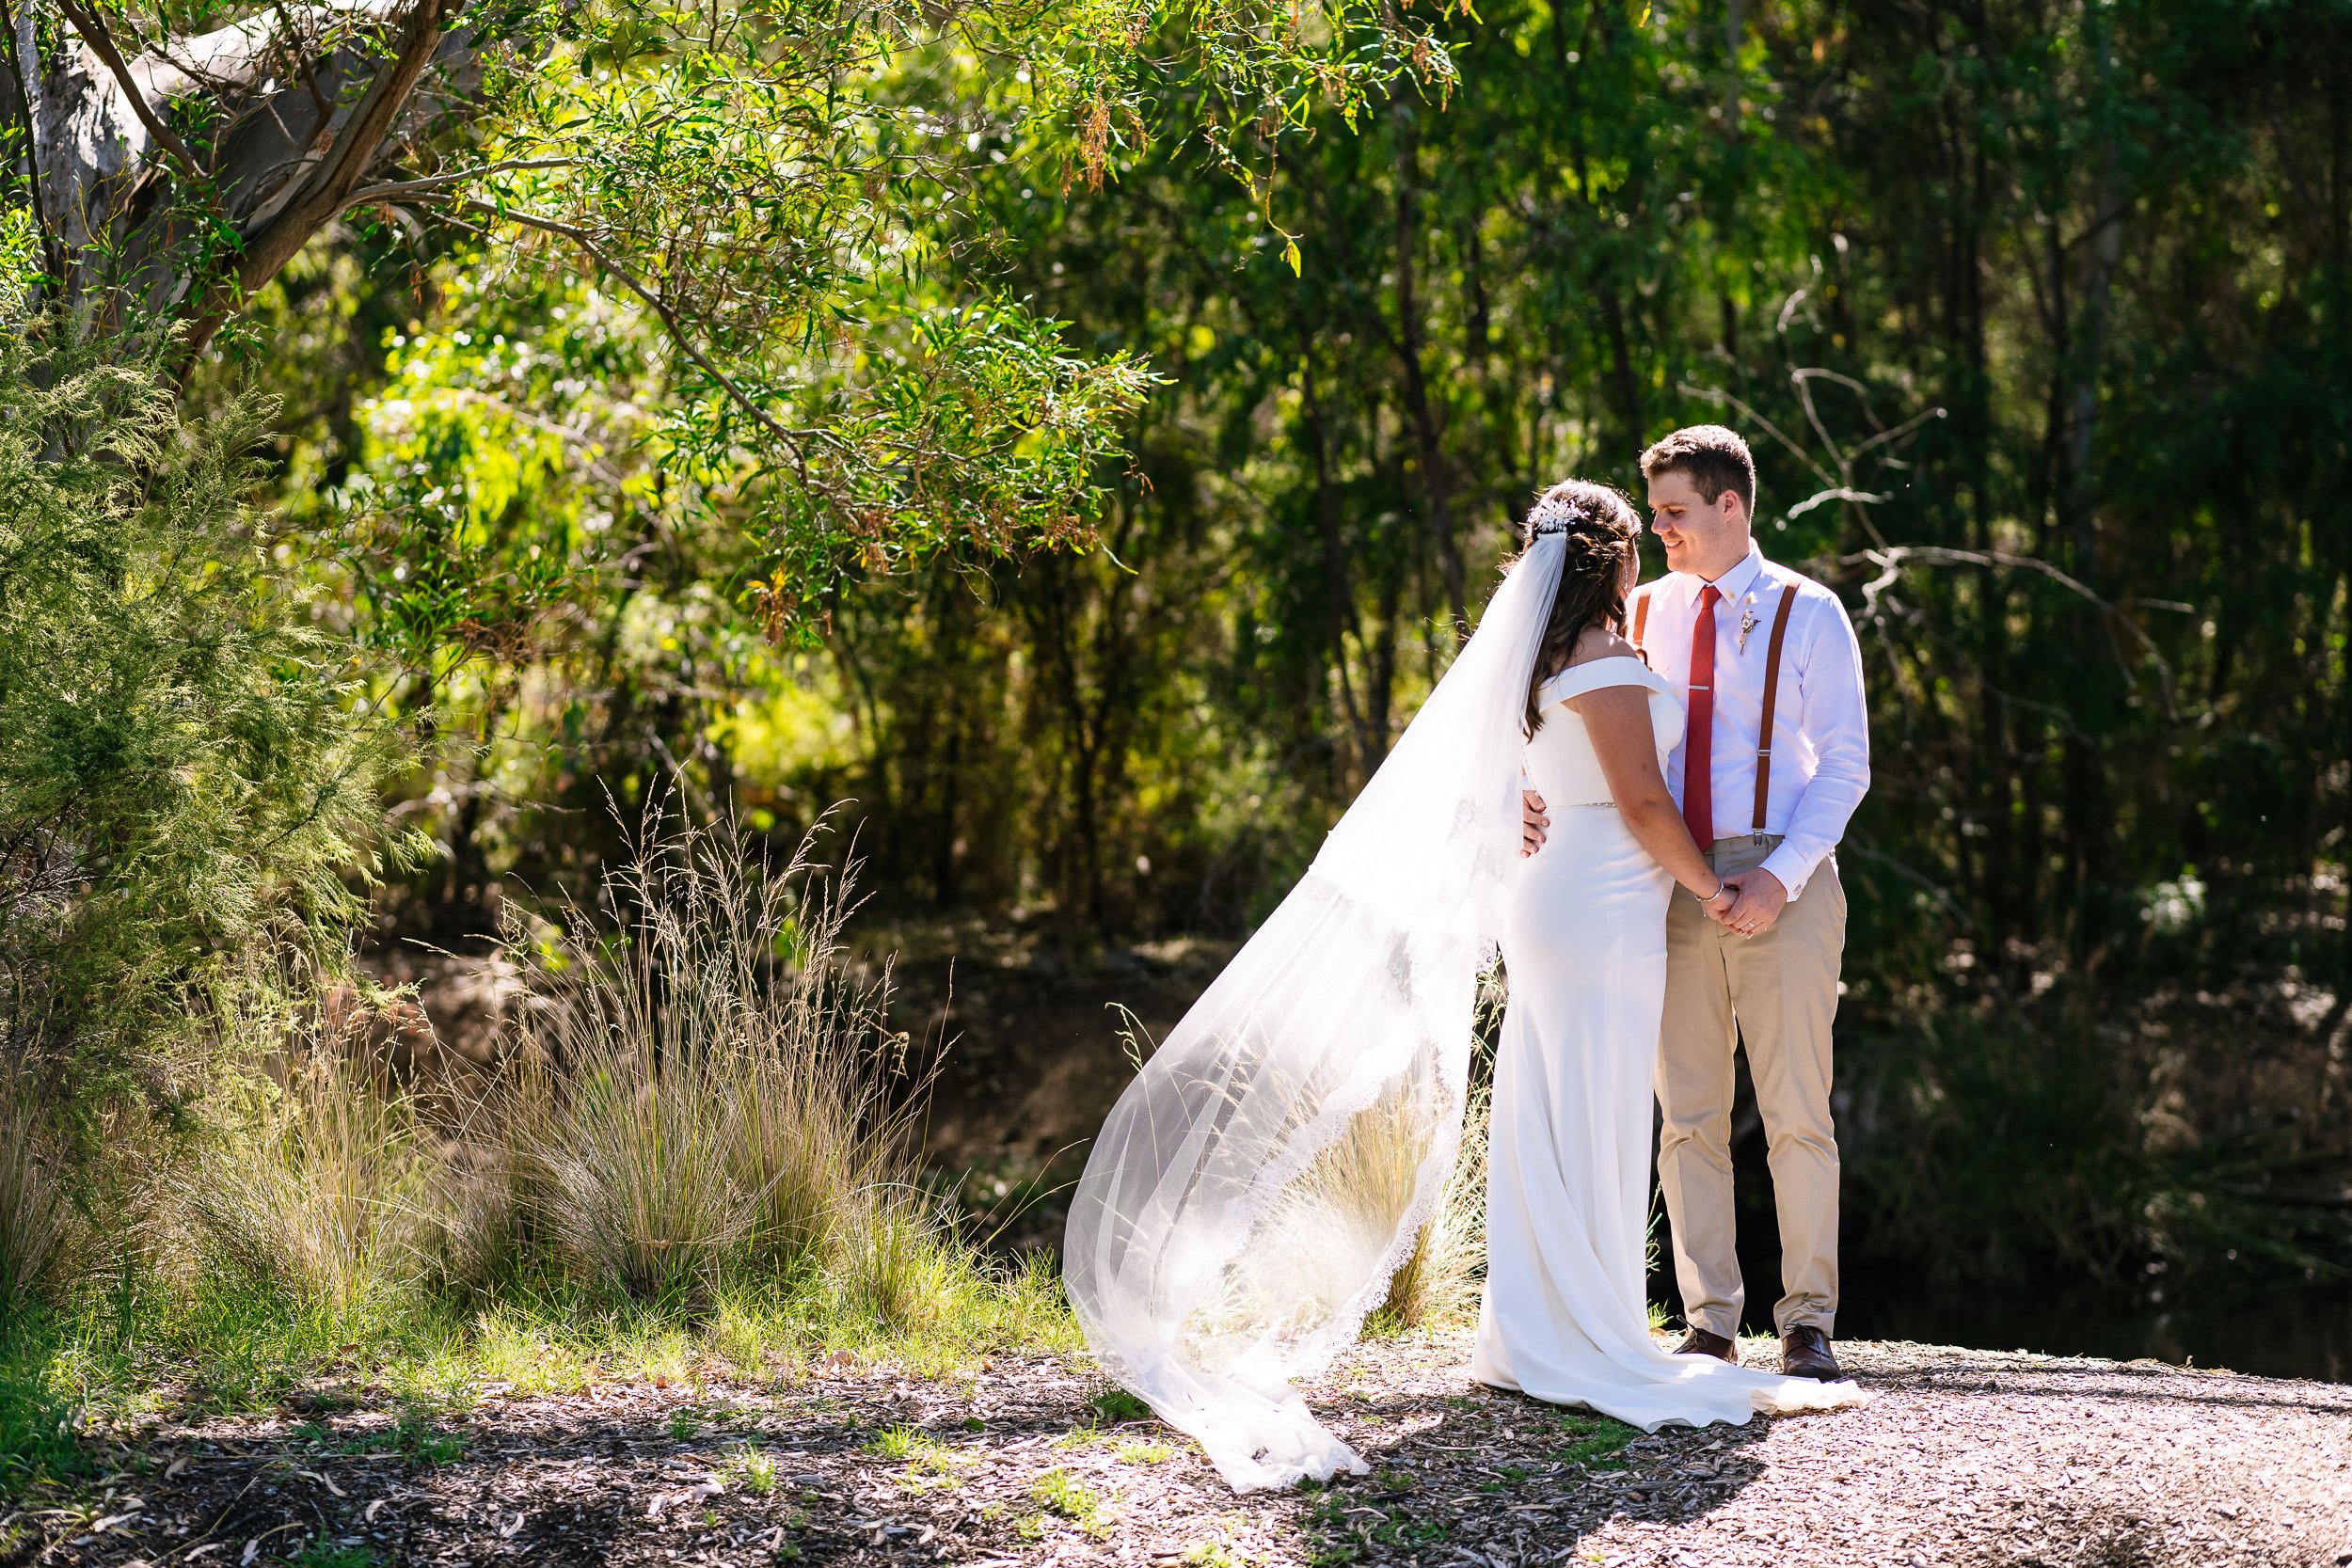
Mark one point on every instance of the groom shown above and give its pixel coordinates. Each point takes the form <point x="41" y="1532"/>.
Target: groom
<point x="1775" y="758"/>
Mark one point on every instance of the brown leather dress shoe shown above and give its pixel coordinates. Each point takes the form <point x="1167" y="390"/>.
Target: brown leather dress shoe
<point x="1805" y="1352"/>
<point x="1699" y="1342"/>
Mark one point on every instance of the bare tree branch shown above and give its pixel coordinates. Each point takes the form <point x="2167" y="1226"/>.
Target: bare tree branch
<point x="1835" y="492"/>
<point x="1717" y="394"/>
<point x="339" y="171"/>
<point x="368" y="193"/>
<point x="1891" y="559"/>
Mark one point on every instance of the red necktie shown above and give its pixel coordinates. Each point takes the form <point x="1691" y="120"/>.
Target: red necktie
<point x="1699" y="749"/>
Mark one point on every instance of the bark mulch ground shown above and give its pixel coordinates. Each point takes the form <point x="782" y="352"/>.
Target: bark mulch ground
<point x="1965" y="1457"/>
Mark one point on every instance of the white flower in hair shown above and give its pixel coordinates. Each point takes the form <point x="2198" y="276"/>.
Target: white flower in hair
<point x="1553" y="514"/>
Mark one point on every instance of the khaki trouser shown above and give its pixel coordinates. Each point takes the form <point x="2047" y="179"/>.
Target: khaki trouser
<point x="1775" y="994"/>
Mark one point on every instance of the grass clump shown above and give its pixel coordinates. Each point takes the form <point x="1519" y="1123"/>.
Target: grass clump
<point x="695" y="1156"/>
<point x="315" y="1198"/>
<point x="421" y="1443"/>
<point x="1439" y="1281"/>
<point x="1210" y="1554"/>
<point x="897" y="1443"/>
<point x="1340" y="1530"/>
<point x="1594" y="1441"/>
<point x="1114" y="1405"/>
<point x="1060" y="1493"/>
<point x="753" y="1471"/>
<point x="707" y="1093"/>
<point x="37" y="1218"/>
<point x="1079" y="1437"/>
<point x="926" y="1458"/>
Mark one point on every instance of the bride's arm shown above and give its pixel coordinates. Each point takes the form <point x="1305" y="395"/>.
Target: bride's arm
<point x="1617" y="718"/>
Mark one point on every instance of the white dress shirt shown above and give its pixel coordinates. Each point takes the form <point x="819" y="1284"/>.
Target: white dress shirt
<point x="1822" y="732"/>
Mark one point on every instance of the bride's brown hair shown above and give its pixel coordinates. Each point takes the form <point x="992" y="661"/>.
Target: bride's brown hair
<point x="1600" y="530"/>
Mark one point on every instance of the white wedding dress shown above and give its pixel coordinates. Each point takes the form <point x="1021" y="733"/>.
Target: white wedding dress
<point x="1565" y="1315"/>
<point x="1275" y="1158"/>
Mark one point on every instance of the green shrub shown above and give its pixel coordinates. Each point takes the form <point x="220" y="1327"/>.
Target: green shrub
<point x="185" y="773"/>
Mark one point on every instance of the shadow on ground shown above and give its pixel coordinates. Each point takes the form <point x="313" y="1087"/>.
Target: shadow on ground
<point x="1022" y="1460"/>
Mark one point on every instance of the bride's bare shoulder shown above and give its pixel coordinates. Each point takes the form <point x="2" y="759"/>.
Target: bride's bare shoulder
<point x="1599" y="642"/>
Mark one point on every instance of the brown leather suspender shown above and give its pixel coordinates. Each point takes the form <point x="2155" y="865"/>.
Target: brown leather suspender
<point x="1771" y="694"/>
<point x="1640" y="617"/>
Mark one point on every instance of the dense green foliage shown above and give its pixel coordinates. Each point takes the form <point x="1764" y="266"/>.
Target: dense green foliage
<point x="187" y="778"/>
<point x="1048" y="429"/>
<point x="2036" y="317"/>
<point x="779" y="190"/>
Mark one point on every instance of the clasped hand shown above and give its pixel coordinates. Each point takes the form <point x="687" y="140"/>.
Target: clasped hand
<point x="1758" y="895"/>
<point x="1759" y="898"/>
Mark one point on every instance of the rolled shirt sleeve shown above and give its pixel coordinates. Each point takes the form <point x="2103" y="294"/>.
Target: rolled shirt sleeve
<point x="1836" y="725"/>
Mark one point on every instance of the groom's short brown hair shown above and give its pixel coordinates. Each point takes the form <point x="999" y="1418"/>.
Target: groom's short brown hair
<point x="1715" y="459"/>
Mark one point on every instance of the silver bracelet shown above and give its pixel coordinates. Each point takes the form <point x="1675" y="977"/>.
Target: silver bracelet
<point x="1720" y="884"/>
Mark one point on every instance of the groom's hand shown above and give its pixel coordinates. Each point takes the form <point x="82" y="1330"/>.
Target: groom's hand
<point x="1532" y="822"/>
<point x="1760" y="901"/>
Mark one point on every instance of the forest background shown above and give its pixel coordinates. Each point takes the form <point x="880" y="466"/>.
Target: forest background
<point x="1078" y="472"/>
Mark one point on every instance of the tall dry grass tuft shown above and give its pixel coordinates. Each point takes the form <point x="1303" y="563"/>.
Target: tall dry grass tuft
<point x="37" y="1217"/>
<point x="711" y="1092"/>
<point x="1439" y="1283"/>
<point x="318" y="1197"/>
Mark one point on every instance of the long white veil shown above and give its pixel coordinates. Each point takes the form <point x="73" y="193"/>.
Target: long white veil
<point x="1269" y="1168"/>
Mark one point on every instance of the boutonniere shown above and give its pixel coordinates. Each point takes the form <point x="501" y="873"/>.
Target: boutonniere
<point x="1747" y="621"/>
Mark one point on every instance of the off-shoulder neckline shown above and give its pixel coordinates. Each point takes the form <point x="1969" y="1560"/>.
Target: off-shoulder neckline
<point x="1575" y="680"/>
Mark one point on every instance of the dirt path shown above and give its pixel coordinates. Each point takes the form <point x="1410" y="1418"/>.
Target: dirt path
<point x="1965" y="1457"/>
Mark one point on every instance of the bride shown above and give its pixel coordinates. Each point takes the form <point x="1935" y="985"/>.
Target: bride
<point x="1277" y="1158"/>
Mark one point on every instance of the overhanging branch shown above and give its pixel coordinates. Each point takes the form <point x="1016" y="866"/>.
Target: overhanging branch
<point x="796" y="441"/>
<point x="102" y="44"/>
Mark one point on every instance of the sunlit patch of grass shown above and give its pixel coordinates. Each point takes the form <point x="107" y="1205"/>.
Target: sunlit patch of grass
<point x="311" y="1236"/>
<point x="1059" y="1492"/>
<point x="1212" y="1554"/>
<point x="1143" y="1454"/>
<point x="36" y="1414"/>
<point x="753" y="1471"/>
<point x="507" y="1350"/>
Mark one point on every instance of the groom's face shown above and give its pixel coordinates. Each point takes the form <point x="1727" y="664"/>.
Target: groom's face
<point x="1697" y="533"/>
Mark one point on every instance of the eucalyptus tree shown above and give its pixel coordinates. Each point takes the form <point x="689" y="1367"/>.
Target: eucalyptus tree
<point x="775" y="184"/>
